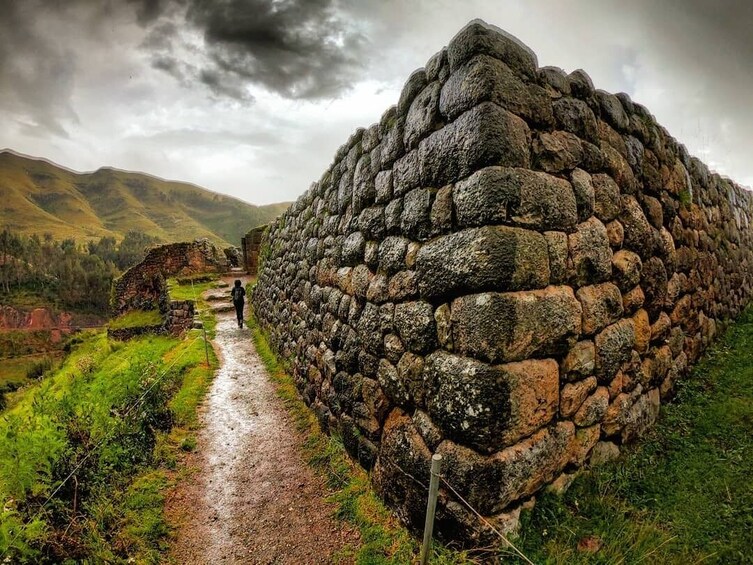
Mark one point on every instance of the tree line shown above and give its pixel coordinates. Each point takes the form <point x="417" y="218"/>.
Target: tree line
<point x="67" y="274"/>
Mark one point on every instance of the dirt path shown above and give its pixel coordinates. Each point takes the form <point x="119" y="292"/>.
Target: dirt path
<point x="253" y="499"/>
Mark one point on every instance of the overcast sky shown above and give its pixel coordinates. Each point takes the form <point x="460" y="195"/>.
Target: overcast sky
<point x="253" y="97"/>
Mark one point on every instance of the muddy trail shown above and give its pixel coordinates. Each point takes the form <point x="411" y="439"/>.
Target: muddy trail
<point x="252" y="497"/>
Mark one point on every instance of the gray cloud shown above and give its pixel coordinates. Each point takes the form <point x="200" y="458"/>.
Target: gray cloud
<point x="164" y="85"/>
<point x="300" y="49"/>
<point x="36" y="78"/>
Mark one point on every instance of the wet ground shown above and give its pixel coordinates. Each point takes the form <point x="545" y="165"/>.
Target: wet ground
<point x="252" y="498"/>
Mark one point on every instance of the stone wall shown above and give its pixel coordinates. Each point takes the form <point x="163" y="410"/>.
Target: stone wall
<point x="511" y="269"/>
<point x="251" y="246"/>
<point x="180" y="316"/>
<point x="143" y="287"/>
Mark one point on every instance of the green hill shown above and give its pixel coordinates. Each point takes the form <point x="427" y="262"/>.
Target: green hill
<point x="40" y="197"/>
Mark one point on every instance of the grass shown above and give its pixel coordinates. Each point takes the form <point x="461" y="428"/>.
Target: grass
<point x="383" y="539"/>
<point x="137" y="319"/>
<point x="112" y="508"/>
<point x="683" y="494"/>
<point x="16" y="371"/>
<point x="178" y="291"/>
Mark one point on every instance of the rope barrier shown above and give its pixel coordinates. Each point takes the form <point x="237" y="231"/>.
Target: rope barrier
<point x="486" y="522"/>
<point x="406" y="473"/>
<point x="466" y="503"/>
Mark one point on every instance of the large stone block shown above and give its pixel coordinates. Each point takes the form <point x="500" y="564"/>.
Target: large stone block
<point x="602" y="305"/>
<point x="493" y="482"/>
<point x="516" y="325"/>
<point x="606" y="197"/>
<point x="574" y="394"/>
<point x="584" y="193"/>
<point x="576" y="117"/>
<point x="520" y="196"/>
<point x="423" y="115"/>
<point x="639" y="236"/>
<point x="486" y="79"/>
<point x="402" y="451"/>
<point x="557" y="152"/>
<point x="590" y="253"/>
<point x="593" y="408"/>
<point x="489" y="258"/>
<point x="613" y="347"/>
<point x="579" y="362"/>
<point x="486" y="406"/>
<point x="415" y="325"/>
<point x="392" y="254"/>
<point x="654" y="284"/>
<point x="415" y="221"/>
<point x="391" y="383"/>
<point x="371" y="222"/>
<point x="480" y="38"/>
<point x="627" y="269"/>
<point x="485" y="135"/>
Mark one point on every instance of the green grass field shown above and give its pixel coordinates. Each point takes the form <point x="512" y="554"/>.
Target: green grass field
<point x="113" y="417"/>
<point x="136" y="319"/>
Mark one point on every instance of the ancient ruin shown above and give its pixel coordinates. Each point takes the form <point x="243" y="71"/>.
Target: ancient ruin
<point x="511" y="268"/>
<point x="143" y="287"/>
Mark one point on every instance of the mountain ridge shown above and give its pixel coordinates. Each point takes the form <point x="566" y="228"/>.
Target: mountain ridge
<point x="40" y="196"/>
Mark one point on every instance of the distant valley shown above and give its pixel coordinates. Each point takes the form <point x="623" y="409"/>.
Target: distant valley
<point x="39" y="197"/>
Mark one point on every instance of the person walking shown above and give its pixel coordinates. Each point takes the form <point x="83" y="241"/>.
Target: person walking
<point x="238" y="293"/>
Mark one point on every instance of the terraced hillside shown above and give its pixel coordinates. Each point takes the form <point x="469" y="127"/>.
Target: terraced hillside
<point x="40" y="197"/>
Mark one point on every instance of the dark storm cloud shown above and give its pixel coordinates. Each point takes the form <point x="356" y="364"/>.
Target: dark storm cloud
<point x="300" y="49"/>
<point x="147" y="10"/>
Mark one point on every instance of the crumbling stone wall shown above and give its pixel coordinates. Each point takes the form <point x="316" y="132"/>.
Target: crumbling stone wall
<point x="511" y="269"/>
<point x="251" y="245"/>
<point x="180" y="316"/>
<point x="143" y="286"/>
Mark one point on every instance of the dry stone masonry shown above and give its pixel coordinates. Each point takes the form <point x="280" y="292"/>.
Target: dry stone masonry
<point x="143" y="286"/>
<point x="511" y="268"/>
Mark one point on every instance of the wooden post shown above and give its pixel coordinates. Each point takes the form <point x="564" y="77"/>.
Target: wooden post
<point x="431" y="507"/>
<point x="206" y="347"/>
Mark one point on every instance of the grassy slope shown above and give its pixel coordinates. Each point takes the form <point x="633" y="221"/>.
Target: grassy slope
<point x="136" y="318"/>
<point x="126" y="479"/>
<point x="684" y="494"/>
<point x="39" y="197"/>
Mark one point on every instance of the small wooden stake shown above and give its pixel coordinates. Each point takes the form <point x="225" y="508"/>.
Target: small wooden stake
<point x="431" y="507"/>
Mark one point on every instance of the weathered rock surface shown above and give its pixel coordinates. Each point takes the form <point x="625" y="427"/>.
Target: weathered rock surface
<point x="510" y="267"/>
<point x="517" y="325"/>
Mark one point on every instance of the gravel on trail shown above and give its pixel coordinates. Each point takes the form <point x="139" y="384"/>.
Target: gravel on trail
<point x="251" y="498"/>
